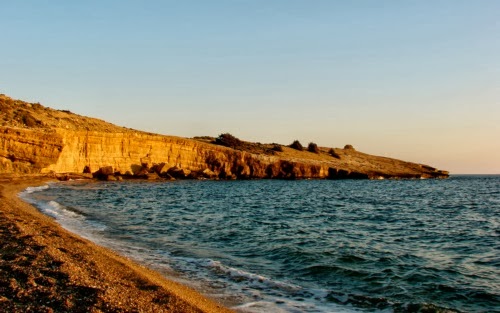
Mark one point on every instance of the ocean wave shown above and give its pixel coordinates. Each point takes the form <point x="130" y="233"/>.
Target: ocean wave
<point x="261" y="293"/>
<point x="58" y="211"/>
<point x="36" y="189"/>
<point x="287" y="306"/>
<point x="244" y="276"/>
<point x="69" y="217"/>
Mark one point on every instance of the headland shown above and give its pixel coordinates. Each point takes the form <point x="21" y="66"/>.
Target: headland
<point x="36" y="139"/>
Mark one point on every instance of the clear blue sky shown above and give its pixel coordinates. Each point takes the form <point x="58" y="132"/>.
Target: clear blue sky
<point x="416" y="80"/>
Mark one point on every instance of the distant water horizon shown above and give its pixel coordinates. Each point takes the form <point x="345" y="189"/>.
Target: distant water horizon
<point x="474" y="175"/>
<point x="302" y="246"/>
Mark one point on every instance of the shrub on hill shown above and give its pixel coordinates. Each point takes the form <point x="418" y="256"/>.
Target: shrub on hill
<point x="333" y="153"/>
<point x="228" y="140"/>
<point x="277" y="147"/>
<point x="297" y="145"/>
<point x="37" y="106"/>
<point x="29" y="120"/>
<point x="349" y="147"/>
<point x="312" y="147"/>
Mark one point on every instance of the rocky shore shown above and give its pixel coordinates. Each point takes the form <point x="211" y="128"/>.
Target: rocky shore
<point x="44" y="268"/>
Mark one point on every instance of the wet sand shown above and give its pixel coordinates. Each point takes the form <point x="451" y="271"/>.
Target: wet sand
<point x="44" y="268"/>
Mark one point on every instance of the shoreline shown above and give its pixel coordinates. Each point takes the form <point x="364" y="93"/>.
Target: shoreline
<point x="45" y="268"/>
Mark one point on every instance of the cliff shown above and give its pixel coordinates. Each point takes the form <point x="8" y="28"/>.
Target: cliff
<point x="37" y="139"/>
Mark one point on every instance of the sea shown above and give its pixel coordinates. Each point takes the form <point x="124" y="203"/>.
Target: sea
<point x="304" y="245"/>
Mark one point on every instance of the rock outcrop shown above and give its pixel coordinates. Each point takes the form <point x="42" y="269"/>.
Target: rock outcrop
<point x="36" y="139"/>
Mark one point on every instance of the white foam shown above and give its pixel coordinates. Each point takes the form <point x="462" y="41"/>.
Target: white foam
<point x="251" y="278"/>
<point x="259" y="307"/>
<point x="57" y="210"/>
<point x="36" y="189"/>
<point x="66" y="217"/>
<point x="258" y="293"/>
<point x="282" y="305"/>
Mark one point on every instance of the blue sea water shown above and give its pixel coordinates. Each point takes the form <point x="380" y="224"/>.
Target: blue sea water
<point x="302" y="246"/>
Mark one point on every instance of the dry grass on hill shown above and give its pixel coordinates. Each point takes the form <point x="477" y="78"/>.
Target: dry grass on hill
<point x="17" y="113"/>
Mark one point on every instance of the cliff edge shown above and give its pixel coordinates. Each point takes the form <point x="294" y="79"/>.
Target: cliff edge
<point x="37" y="139"/>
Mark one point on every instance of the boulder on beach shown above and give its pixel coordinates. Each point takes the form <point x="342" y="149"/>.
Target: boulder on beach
<point x="208" y="173"/>
<point x="178" y="173"/>
<point x="142" y="173"/>
<point x="161" y="168"/>
<point x="152" y="176"/>
<point x="104" y="172"/>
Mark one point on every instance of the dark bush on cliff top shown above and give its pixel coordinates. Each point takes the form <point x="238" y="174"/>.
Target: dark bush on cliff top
<point x="297" y="145"/>
<point x="228" y="140"/>
<point x="29" y="120"/>
<point x="312" y="147"/>
<point x="333" y="153"/>
<point x="277" y="147"/>
<point x="348" y="147"/>
<point x="26" y="118"/>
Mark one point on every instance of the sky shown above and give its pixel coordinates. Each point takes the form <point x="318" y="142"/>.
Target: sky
<point x="414" y="80"/>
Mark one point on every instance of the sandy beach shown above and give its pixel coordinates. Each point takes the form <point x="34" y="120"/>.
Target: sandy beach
<point x="44" y="268"/>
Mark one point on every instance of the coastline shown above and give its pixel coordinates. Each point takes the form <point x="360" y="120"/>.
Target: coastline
<point x="45" y="268"/>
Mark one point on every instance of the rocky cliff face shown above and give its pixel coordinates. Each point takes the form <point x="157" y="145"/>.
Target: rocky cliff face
<point x="132" y="151"/>
<point x="28" y="151"/>
<point x="35" y="139"/>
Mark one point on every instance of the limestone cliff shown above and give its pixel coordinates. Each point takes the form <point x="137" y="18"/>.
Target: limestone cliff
<point x="36" y="139"/>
